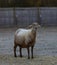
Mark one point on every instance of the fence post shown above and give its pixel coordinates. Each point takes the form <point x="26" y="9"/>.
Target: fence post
<point x="39" y="19"/>
<point x="14" y="16"/>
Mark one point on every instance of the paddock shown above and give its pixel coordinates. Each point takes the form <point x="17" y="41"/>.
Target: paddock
<point x="45" y="49"/>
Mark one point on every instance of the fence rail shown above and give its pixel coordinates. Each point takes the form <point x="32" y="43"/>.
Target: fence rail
<point x="25" y="16"/>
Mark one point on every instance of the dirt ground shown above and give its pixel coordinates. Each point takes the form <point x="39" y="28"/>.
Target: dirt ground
<point x="45" y="50"/>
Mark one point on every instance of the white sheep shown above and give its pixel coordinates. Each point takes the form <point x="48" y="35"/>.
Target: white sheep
<point x="25" y="38"/>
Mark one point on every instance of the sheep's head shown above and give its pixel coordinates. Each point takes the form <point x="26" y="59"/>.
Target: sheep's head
<point x="34" y="25"/>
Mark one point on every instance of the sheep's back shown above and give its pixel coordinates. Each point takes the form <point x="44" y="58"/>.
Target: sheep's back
<point x="22" y="36"/>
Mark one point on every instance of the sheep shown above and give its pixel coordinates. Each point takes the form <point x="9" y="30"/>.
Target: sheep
<point x="25" y="38"/>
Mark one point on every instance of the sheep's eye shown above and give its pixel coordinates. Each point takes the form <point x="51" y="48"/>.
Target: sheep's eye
<point x="36" y="28"/>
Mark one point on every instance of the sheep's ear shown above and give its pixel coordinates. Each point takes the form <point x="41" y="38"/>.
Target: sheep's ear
<point x="39" y="26"/>
<point x="36" y="24"/>
<point x="30" y="26"/>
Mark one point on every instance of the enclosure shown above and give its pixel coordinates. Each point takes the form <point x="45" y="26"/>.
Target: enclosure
<point x="45" y="50"/>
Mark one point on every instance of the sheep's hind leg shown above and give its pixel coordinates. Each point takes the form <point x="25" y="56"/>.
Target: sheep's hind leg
<point x="20" y="52"/>
<point x="32" y="52"/>
<point x="28" y="53"/>
<point x="15" y="51"/>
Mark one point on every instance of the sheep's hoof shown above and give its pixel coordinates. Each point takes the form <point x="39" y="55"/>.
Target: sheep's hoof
<point x="15" y="56"/>
<point x="28" y="57"/>
<point x="32" y="57"/>
<point x="21" y="56"/>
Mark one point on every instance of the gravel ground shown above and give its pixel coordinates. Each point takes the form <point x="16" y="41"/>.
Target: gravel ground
<point x="45" y="50"/>
<point x="38" y="60"/>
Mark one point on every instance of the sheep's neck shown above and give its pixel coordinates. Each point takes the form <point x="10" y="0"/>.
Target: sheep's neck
<point x="33" y="33"/>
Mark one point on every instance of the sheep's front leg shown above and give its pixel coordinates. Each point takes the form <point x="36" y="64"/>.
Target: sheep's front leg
<point x="20" y="52"/>
<point x="32" y="52"/>
<point x="15" y="51"/>
<point x="28" y="53"/>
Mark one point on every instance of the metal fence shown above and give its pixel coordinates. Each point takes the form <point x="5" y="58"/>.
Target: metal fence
<point x="25" y="16"/>
<point x="6" y="17"/>
<point x="48" y="16"/>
